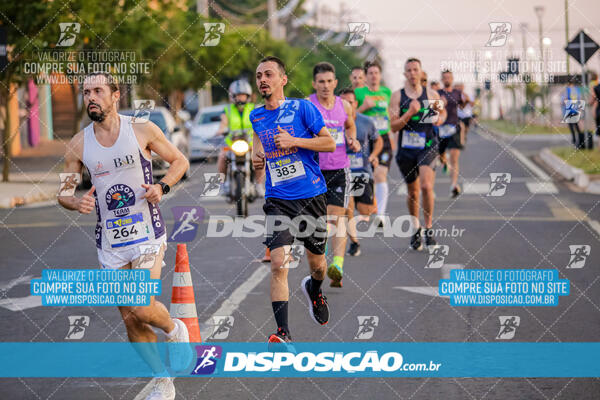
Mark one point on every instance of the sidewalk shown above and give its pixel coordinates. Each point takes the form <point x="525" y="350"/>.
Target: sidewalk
<point x="33" y="175"/>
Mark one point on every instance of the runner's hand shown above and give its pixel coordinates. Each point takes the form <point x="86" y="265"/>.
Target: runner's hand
<point x="284" y="140"/>
<point x="374" y="160"/>
<point x="353" y="145"/>
<point x="88" y="202"/>
<point x="369" y="103"/>
<point x="258" y="161"/>
<point x="414" y="107"/>
<point x="153" y="193"/>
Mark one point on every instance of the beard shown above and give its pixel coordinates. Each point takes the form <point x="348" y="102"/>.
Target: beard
<point x="265" y="95"/>
<point x="96" y="116"/>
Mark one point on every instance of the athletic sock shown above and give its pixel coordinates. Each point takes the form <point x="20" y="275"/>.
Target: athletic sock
<point x="381" y="193"/>
<point x="280" y="309"/>
<point x="339" y="261"/>
<point x="313" y="287"/>
<point x="173" y="333"/>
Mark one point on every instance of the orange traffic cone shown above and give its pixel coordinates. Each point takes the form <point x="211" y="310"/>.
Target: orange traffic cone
<point x="267" y="257"/>
<point x="183" y="304"/>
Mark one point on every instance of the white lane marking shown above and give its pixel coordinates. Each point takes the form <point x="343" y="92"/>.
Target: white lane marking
<point x="432" y="290"/>
<point x="228" y="306"/>
<point x="426" y="290"/>
<point x="476" y="188"/>
<point x="529" y="164"/>
<point x="541" y="187"/>
<point x="19" y="303"/>
<point x="7" y="285"/>
<point x="595" y="225"/>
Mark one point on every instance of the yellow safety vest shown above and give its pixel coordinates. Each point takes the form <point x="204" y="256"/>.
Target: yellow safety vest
<point x="237" y="121"/>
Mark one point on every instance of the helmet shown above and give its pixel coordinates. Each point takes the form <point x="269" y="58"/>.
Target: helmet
<point x="239" y="87"/>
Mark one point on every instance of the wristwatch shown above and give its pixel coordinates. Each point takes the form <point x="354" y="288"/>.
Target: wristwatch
<point x="165" y="188"/>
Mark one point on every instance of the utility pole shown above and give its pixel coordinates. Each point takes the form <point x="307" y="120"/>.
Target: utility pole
<point x="567" y="32"/>
<point x="204" y="94"/>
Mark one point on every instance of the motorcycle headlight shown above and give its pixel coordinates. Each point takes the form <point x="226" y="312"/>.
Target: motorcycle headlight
<point x="240" y="147"/>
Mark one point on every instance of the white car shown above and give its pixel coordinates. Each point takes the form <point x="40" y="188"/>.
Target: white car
<point x="204" y="142"/>
<point x="163" y="118"/>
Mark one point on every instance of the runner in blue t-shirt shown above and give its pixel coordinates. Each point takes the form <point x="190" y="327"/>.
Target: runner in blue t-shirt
<point x="287" y="133"/>
<point x="361" y="166"/>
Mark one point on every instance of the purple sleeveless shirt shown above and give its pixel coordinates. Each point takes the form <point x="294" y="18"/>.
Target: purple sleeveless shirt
<point x="334" y="121"/>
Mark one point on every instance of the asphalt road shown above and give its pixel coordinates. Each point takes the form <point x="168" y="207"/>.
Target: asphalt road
<point x="530" y="226"/>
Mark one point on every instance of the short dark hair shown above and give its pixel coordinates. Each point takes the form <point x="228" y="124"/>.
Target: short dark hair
<point x="347" y="91"/>
<point x="413" y="59"/>
<point x="369" y="64"/>
<point x="111" y="81"/>
<point x="277" y="61"/>
<point x="355" y="68"/>
<point x="321" y="67"/>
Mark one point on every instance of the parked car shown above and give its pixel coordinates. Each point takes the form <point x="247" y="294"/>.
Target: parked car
<point x="204" y="143"/>
<point x="175" y="133"/>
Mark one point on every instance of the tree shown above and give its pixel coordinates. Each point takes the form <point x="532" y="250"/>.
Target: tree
<point x="26" y="25"/>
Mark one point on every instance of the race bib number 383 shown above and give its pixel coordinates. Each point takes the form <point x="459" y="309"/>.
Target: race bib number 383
<point x="127" y="230"/>
<point x="285" y="170"/>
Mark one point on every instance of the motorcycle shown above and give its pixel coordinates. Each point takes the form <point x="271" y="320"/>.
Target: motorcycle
<point x="240" y="172"/>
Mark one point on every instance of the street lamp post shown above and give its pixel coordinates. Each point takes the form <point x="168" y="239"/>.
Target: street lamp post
<point x="539" y="12"/>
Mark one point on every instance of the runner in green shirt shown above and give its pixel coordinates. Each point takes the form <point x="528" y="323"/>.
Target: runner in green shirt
<point x="374" y="101"/>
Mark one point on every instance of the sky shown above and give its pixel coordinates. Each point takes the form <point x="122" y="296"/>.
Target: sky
<point x="446" y="32"/>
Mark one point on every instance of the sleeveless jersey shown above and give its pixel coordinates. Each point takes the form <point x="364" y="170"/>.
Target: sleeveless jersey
<point x="334" y="121"/>
<point x="124" y="218"/>
<point x="418" y="133"/>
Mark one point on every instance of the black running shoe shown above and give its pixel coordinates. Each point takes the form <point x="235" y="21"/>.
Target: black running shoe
<point x="280" y="342"/>
<point x="317" y="306"/>
<point x="455" y="192"/>
<point x="429" y="240"/>
<point x="354" y="249"/>
<point x="416" y="242"/>
<point x="280" y="337"/>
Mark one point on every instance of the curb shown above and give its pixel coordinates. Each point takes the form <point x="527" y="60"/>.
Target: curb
<point x="576" y="175"/>
<point x="19" y="201"/>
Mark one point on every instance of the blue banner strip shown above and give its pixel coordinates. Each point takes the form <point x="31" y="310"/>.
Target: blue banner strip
<point x="353" y="359"/>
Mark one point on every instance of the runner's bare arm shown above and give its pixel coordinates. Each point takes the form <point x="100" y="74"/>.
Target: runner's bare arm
<point x="258" y="154"/>
<point x="433" y="95"/>
<point x="396" y="122"/>
<point x="323" y="142"/>
<point x="350" y="128"/>
<point x="156" y="141"/>
<point x="73" y="164"/>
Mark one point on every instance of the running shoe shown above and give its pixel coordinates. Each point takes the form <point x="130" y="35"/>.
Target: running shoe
<point x="429" y="240"/>
<point x="317" y="305"/>
<point x="335" y="273"/>
<point x="281" y="341"/>
<point x="455" y="192"/>
<point x="163" y="389"/>
<point x="416" y="242"/>
<point x="280" y="337"/>
<point x="354" y="249"/>
<point x="180" y="353"/>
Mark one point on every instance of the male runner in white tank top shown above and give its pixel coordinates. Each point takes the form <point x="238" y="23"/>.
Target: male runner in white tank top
<point x="130" y="231"/>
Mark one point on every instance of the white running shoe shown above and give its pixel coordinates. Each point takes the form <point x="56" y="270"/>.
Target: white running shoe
<point x="180" y="355"/>
<point x="163" y="389"/>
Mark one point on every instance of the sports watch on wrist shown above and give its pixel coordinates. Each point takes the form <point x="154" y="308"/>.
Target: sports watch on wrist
<point x="165" y="188"/>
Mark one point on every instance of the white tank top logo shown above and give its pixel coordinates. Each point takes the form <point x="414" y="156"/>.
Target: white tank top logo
<point x="119" y="198"/>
